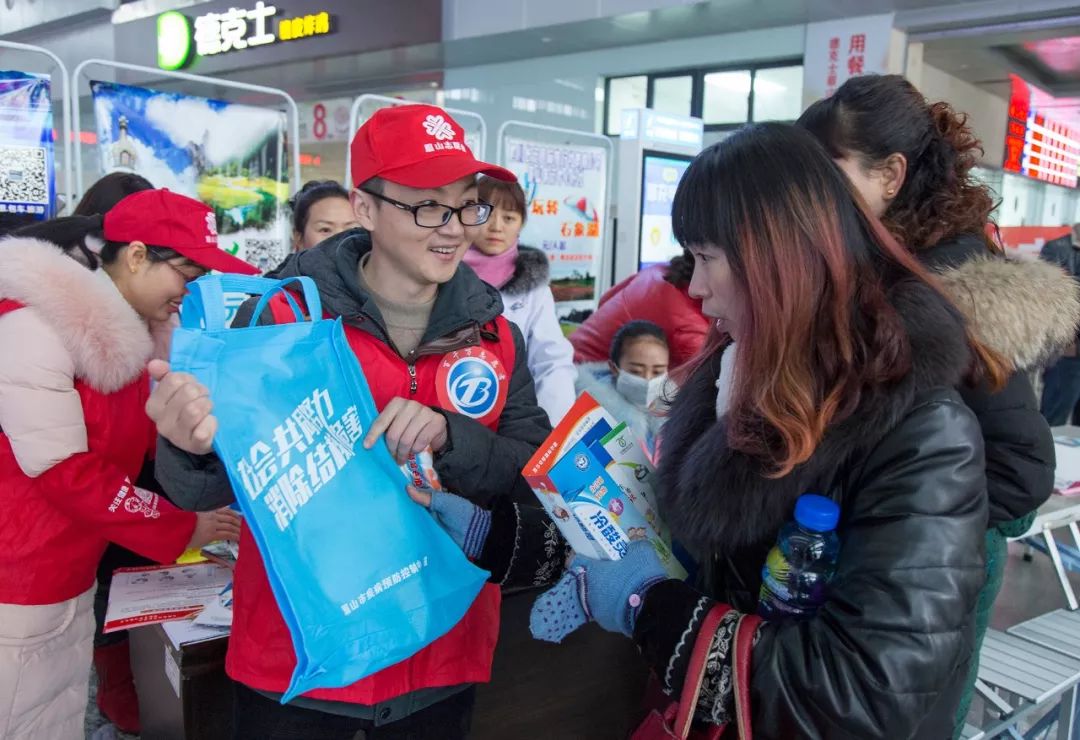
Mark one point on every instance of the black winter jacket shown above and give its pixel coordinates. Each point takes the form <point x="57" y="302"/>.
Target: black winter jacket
<point x="887" y="655"/>
<point x="1028" y="312"/>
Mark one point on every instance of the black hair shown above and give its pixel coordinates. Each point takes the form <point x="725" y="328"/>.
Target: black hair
<point x="874" y="116"/>
<point x="507" y="194"/>
<point x="680" y="269"/>
<point x="104" y="194"/>
<point x="634" y="330"/>
<point x="313" y="192"/>
<point x="11" y="222"/>
<point x="72" y="234"/>
<point x="375" y="185"/>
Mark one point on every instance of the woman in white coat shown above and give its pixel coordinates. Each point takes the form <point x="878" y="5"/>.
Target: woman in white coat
<point x="521" y="275"/>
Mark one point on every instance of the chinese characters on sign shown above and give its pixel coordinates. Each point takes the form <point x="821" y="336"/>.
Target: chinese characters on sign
<point x="237" y="29"/>
<point x="834" y="58"/>
<point x="306" y="452"/>
<point x="21" y="208"/>
<point x="856" y="59"/>
<point x="301" y="27"/>
<point x="838" y="50"/>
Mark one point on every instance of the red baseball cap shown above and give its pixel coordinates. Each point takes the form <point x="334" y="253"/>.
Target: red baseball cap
<point x="418" y="146"/>
<point x="165" y="219"/>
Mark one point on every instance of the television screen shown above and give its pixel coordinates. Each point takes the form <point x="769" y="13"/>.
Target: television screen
<point x="660" y="175"/>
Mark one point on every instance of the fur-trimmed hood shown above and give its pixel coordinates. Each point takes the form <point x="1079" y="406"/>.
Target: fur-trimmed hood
<point x="1026" y="310"/>
<point x="109" y="343"/>
<point x="531" y="270"/>
<point x="718" y="500"/>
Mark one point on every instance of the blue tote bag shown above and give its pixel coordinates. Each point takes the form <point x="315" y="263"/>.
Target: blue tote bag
<point x="363" y="576"/>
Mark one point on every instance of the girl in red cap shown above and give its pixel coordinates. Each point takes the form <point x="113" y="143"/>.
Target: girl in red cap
<point x="85" y="302"/>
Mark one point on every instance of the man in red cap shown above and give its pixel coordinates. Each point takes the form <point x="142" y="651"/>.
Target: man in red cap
<point x="447" y="372"/>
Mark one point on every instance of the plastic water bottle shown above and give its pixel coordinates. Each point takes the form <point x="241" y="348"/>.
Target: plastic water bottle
<point x="801" y="563"/>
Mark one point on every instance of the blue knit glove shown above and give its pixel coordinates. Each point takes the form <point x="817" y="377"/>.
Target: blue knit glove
<point x="467" y="524"/>
<point x="608" y="591"/>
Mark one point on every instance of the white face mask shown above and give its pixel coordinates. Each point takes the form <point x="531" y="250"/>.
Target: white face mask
<point x="637" y="390"/>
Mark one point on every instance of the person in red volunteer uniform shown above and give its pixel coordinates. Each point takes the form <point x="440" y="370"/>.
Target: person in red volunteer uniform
<point x="447" y="372"/>
<point x="78" y="322"/>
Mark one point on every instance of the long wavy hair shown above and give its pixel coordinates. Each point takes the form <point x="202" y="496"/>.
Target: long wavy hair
<point x="816" y="271"/>
<point x="874" y="116"/>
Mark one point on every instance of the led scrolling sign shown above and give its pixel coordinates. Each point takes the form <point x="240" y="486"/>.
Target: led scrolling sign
<point x="1036" y="145"/>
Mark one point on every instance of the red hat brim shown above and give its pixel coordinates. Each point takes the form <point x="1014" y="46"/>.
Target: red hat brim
<point x="439" y="171"/>
<point x="214" y="258"/>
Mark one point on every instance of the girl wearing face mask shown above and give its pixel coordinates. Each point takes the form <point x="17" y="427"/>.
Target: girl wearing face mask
<point x="521" y="275"/>
<point x="320" y="210"/>
<point x="629" y="383"/>
<point x="85" y="303"/>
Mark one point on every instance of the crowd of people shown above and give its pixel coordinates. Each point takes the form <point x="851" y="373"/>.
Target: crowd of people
<point x="839" y="322"/>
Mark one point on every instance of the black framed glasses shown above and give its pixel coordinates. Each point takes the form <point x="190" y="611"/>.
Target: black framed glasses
<point x="432" y="215"/>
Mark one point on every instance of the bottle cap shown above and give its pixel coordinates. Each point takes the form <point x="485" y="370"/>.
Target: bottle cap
<point x="817" y="513"/>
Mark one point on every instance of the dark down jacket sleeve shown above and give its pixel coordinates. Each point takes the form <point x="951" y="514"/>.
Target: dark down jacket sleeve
<point x="1020" y="456"/>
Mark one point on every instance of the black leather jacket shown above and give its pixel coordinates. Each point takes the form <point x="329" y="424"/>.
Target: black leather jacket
<point x="887" y="655"/>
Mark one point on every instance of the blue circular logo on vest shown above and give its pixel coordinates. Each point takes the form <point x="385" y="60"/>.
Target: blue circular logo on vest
<point x="473" y="386"/>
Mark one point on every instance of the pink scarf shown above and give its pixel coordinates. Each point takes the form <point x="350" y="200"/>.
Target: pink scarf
<point x="495" y="271"/>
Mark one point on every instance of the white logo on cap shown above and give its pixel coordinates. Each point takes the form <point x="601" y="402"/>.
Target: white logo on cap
<point x="211" y="228"/>
<point x="439" y="127"/>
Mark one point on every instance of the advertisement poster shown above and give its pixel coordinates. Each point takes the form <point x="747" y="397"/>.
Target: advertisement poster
<point x="660" y="179"/>
<point x="231" y="157"/>
<point x="566" y="192"/>
<point x="27" y="166"/>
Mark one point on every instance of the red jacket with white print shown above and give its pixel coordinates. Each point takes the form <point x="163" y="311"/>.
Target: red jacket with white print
<point x="73" y="430"/>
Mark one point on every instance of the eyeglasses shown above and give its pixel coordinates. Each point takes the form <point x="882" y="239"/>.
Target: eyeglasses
<point x="432" y="215"/>
<point x="187" y="278"/>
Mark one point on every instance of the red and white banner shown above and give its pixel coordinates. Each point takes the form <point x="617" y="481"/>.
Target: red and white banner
<point x="839" y="50"/>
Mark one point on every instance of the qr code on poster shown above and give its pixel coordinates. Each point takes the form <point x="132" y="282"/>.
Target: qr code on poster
<point x="23" y="174"/>
<point x="265" y="254"/>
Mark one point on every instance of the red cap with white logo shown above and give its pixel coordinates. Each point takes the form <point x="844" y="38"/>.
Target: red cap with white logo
<point x="418" y="146"/>
<point x="161" y="218"/>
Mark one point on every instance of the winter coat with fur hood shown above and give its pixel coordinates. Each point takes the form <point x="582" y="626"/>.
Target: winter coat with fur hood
<point x="528" y="302"/>
<point x="1028" y="312"/>
<point x="73" y="430"/>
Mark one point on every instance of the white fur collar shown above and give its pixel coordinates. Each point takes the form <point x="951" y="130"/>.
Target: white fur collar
<point x="108" y="342"/>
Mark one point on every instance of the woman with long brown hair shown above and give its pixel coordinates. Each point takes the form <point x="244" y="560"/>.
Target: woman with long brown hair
<point x="842" y="385"/>
<point x="912" y="161"/>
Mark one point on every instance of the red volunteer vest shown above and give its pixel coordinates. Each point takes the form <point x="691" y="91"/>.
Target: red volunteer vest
<point x="473" y="381"/>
